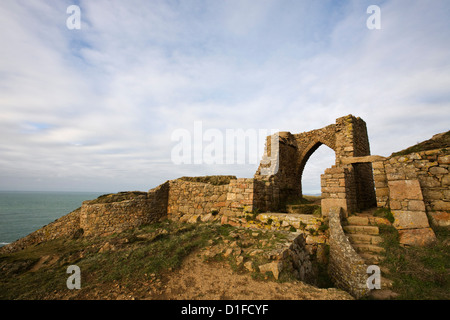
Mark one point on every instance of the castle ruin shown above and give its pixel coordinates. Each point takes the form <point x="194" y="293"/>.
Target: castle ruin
<point x="414" y="187"/>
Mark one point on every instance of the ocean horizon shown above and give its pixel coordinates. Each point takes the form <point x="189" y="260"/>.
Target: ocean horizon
<point x="23" y="212"/>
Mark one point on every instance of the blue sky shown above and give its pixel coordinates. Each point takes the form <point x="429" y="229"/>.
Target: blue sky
<point x="94" y="109"/>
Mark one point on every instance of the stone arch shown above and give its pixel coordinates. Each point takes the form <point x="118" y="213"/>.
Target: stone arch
<point x="347" y="137"/>
<point x="304" y="158"/>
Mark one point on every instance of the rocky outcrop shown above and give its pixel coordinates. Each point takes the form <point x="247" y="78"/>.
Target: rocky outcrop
<point x="66" y="226"/>
<point x="102" y="216"/>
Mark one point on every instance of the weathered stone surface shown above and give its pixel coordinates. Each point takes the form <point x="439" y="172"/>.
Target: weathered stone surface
<point x="329" y="203"/>
<point x="417" y="237"/>
<point x="439" y="218"/>
<point x="416" y="205"/>
<point x="405" y="189"/>
<point x="249" y="266"/>
<point x="350" y="160"/>
<point x="444" y="159"/>
<point x="274" y="267"/>
<point x="410" y="219"/>
<point x="438" y="170"/>
<point x="358" y="221"/>
<point x="346" y="267"/>
<point x="440" y="205"/>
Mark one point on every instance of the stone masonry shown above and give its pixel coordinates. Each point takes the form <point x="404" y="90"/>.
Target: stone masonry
<point x="415" y="187"/>
<point x="347" y="137"/>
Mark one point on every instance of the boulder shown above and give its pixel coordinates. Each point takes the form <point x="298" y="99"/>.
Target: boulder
<point x="274" y="267"/>
<point x="417" y="237"/>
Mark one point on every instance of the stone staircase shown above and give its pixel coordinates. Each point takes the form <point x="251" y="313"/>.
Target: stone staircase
<point x="363" y="233"/>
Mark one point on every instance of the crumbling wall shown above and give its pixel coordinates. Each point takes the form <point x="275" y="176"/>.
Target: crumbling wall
<point x="190" y="199"/>
<point x="346" y="268"/>
<point x="104" y="216"/>
<point x="339" y="189"/>
<point x="416" y="189"/>
<point x="347" y="137"/>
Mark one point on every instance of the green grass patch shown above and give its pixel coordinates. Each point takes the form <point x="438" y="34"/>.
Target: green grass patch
<point x="418" y="273"/>
<point x="441" y="142"/>
<point x="150" y="249"/>
<point x="384" y="213"/>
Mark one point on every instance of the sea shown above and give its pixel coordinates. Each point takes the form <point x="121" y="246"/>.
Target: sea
<point x="22" y="212"/>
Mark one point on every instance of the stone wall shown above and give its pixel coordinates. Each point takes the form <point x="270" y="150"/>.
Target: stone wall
<point x="381" y="183"/>
<point x="241" y="196"/>
<point x="110" y="215"/>
<point x="196" y="198"/>
<point x="347" y="137"/>
<point x="352" y="141"/>
<point x="346" y="268"/>
<point x="433" y="174"/>
<point x="418" y="193"/>
<point x="200" y="200"/>
<point x="267" y="196"/>
<point x="416" y="189"/>
<point x="294" y="257"/>
<point x="102" y="216"/>
<point x="338" y="189"/>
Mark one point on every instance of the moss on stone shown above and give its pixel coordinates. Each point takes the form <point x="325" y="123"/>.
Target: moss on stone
<point x="118" y="197"/>
<point x="439" y="141"/>
<point x="214" y="180"/>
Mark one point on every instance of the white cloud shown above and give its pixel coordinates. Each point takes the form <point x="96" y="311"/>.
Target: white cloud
<point x="95" y="108"/>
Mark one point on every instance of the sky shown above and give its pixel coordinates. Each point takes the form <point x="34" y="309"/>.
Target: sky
<point x="96" y="108"/>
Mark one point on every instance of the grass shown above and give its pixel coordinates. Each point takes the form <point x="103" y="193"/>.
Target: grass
<point x="118" y="197"/>
<point x="418" y="273"/>
<point x="149" y="251"/>
<point x="136" y="255"/>
<point x="442" y="142"/>
<point x="384" y="213"/>
<point x="214" y="180"/>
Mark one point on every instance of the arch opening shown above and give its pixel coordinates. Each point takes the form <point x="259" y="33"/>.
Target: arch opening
<point x="319" y="158"/>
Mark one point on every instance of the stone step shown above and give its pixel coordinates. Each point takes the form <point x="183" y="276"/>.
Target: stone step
<point x="371" y="230"/>
<point x="367" y="248"/>
<point x="358" y="221"/>
<point x="302" y="208"/>
<point x="366" y="220"/>
<point x="357" y="238"/>
<point x="370" y="258"/>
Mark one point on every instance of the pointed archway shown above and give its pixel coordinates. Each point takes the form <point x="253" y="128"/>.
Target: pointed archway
<point x="347" y="137"/>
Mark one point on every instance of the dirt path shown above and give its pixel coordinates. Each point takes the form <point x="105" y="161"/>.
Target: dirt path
<point x="199" y="280"/>
<point x="217" y="281"/>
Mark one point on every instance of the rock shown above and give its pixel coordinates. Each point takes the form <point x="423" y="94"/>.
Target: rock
<point x="107" y="247"/>
<point x="194" y="219"/>
<point x="224" y="220"/>
<point x="405" y="189"/>
<point x="410" y="219"/>
<point x="249" y="266"/>
<point x="207" y="217"/>
<point x="439" y="218"/>
<point x="274" y="267"/>
<point x="417" y="237"/>
<point x="228" y="252"/>
<point x="440" y="205"/>
<point x="438" y="170"/>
